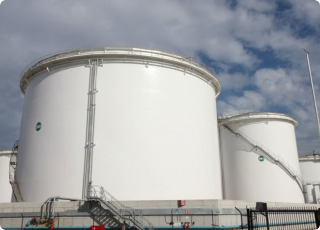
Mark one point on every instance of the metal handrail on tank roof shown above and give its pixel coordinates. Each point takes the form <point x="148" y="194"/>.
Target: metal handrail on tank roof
<point x="7" y="152"/>
<point x="105" y="49"/>
<point x="312" y="157"/>
<point x="227" y="115"/>
<point x="257" y="115"/>
<point x="146" y="56"/>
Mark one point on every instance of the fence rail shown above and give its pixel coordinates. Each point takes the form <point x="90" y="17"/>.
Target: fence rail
<point x="285" y="218"/>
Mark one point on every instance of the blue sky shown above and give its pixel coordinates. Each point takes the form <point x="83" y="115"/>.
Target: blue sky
<point x="254" y="45"/>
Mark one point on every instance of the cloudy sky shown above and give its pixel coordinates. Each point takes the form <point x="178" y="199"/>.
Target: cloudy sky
<point x="254" y="46"/>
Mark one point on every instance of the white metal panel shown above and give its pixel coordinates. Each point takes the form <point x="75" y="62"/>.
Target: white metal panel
<point x="247" y="178"/>
<point x="309" y="194"/>
<point x="310" y="170"/>
<point x="5" y="187"/>
<point x="156" y="134"/>
<point x="50" y="161"/>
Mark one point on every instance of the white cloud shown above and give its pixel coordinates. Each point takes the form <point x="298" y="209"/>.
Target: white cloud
<point x="248" y="101"/>
<point x="234" y="81"/>
<point x="281" y="86"/>
<point x="307" y="11"/>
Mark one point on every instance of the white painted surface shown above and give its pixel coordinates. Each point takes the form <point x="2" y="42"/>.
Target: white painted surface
<point x="156" y="135"/>
<point x="5" y="187"/>
<point x="50" y="161"/>
<point x="309" y="194"/>
<point x="247" y="178"/>
<point x="317" y="193"/>
<point x="310" y="169"/>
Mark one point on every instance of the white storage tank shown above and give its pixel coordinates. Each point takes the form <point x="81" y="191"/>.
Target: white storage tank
<point x="5" y="186"/>
<point x="259" y="158"/>
<point x="310" y="172"/>
<point x="141" y="123"/>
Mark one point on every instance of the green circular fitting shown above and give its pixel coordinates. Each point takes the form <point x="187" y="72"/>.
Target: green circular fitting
<point x="38" y="126"/>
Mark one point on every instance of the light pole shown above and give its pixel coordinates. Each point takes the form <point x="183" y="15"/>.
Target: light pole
<point x="314" y="97"/>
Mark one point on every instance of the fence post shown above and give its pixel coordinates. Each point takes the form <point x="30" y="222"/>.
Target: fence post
<point x="267" y="218"/>
<point x="249" y="218"/>
<point x="317" y="217"/>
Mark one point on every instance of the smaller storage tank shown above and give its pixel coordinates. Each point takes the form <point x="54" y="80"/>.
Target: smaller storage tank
<point x="259" y="158"/>
<point x="310" y="172"/>
<point x="5" y="186"/>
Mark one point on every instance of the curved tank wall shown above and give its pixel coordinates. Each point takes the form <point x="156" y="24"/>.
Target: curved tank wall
<point x="310" y="172"/>
<point x="310" y="168"/>
<point x="259" y="158"/>
<point x="5" y="190"/>
<point x="152" y="121"/>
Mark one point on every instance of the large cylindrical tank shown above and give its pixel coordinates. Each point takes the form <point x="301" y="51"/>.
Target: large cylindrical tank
<point x="141" y="123"/>
<point x="5" y="186"/>
<point x="259" y="158"/>
<point x="310" y="172"/>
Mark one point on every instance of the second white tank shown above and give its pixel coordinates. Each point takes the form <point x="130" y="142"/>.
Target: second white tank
<point x="310" y="171"/>
<point x="259" y="158"/>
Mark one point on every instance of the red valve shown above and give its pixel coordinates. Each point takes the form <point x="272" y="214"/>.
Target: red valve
<point x="97" y="227"/>
<point x="181" y="203"/>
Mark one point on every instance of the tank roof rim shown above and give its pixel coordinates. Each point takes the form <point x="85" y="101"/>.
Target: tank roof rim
<point x="108" y="51"/>
<point x="7" y="152"/>
<point x="257" y="116"/>
<point x="309" y="157"/>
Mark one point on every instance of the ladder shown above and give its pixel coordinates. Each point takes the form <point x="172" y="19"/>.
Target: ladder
<point x="259" y="149"/>
<point x="118" y="209"/>
<point x="12" y="169"/>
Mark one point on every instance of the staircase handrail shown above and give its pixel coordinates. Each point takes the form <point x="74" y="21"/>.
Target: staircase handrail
<point x="273" y="157"/>
<point x="119" y="208"/>
<point x="106" y="196"/>
<point x="12" y="175"/>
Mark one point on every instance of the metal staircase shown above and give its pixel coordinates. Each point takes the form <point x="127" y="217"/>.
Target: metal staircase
<point x="12" y="169"/>
<point x="118" y="209"/>
<point x="259" y="149"/>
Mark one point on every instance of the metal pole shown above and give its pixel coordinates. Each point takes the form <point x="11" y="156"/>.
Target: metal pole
<point x="317" y="217"/>
<point x="249" y="218"/>
<point x="267" y="219"/>
<point x="314" y="97"/>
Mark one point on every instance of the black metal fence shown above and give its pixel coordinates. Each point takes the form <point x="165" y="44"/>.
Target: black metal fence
<point x="263" y="217"/>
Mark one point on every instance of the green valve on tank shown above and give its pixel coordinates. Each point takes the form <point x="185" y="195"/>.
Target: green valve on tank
<point x="38" y="126"/>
